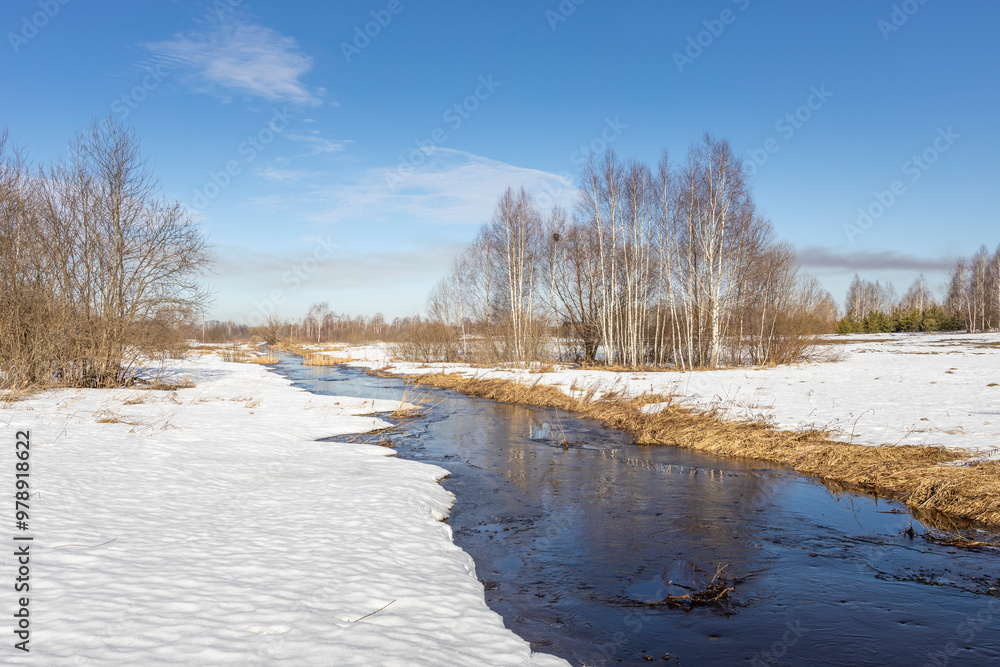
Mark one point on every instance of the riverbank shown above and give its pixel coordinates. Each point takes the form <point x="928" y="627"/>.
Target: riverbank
<point x="913" y="416"/>
<point x="208" y="525"/>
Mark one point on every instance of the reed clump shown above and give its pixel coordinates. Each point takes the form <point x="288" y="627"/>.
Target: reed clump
<point x="967" y="489"/>
<point x="242" y="354"/>
<point x="159" y="383"/>
<point x="264" y="358"/>
<point x="312" y="357"/>
<point x="324" y="360"/>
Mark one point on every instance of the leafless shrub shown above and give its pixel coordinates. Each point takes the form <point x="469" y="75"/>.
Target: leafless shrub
<point x="97" y="271"/>
<point x="271" y="332"/>
<point x="429" y="342"/>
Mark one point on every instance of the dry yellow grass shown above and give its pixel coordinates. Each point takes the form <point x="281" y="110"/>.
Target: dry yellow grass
<point x="247" y="355"/>
<point x="324" y="360"/>
<point x="264" y="359"/>
<point x="312" y="357"/>
<point x="159" y="384"/>
<point x="12" y="395"/>
<point x="912" y="474"/>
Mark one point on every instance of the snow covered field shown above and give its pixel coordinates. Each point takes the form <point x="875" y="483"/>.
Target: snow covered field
<point x="207" y="526"/>
<point x="919" y="389"/>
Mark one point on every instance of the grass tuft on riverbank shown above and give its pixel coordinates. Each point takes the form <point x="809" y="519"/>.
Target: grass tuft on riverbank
<point x="311" y="356"/>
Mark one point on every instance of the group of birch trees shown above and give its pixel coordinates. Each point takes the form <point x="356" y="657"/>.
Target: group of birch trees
<point x="96" y="269"/>
<point x="667" y="266"/>
<point x="974" y="290"/>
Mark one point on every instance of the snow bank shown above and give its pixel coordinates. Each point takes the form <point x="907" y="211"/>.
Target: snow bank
<point x="919" y="389"/>
<point x="208" y="526"/>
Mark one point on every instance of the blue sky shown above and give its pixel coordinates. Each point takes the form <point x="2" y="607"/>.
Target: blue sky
<point x="294" y="140"/>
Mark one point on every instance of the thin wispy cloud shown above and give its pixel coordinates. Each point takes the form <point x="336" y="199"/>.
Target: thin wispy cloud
<point x="288" y="175"/>
<point x="263" y="271"/>
<point x="239" y="57"/>
<point x="395" y="282"/>
<point x="318" y="145"/>
<point x="451" y="187"/>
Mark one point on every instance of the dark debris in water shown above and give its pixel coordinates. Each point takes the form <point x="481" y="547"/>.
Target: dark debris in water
<point x="717" y="594"/>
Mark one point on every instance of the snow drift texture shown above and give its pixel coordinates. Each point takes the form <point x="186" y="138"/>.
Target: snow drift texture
<point x="207" y="526"/>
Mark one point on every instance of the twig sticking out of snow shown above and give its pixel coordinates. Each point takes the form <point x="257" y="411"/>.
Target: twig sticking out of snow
<point x="85" y="546"/>
<point x="372" y="614"/>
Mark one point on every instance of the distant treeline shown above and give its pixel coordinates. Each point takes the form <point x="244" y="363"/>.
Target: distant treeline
<point x="320" y="325"/>
<point x="971" y="301"/>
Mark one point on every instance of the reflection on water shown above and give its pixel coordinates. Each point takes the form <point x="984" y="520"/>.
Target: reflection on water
<point x="573" y="533"/>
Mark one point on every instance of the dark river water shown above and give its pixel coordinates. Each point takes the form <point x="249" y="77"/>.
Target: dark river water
<point x="571" y="543"/>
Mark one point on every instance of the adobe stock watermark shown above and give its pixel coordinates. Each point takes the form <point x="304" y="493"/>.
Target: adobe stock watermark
<point x="363" y="35"/>
<point x="899" y="17"/>
<point x="293" y="278"/>
<point x="123" y="106"/>
<point x="779" y="649"/>
<point x="612" y="131"/>
<point x="222" y="7"/>
<point x="453" y="117"/>
<point x="787" y="126"/>
<point x="697" y="44"/>
<point x="248" y="150"/>
<point x="562" y="13"/>
<point x="31" y="24"/>
<point x="966" y="631"/>
<point x="609" y="653"/>
<point x="914" y="169"/>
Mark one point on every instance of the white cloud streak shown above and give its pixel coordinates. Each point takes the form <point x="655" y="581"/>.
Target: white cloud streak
<point x="452" y="187"/>
<point x="243" y="58"/>
<point x="318" y="145"/>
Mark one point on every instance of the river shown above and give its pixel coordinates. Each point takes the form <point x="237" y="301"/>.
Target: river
<point x="573" y="543"/>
